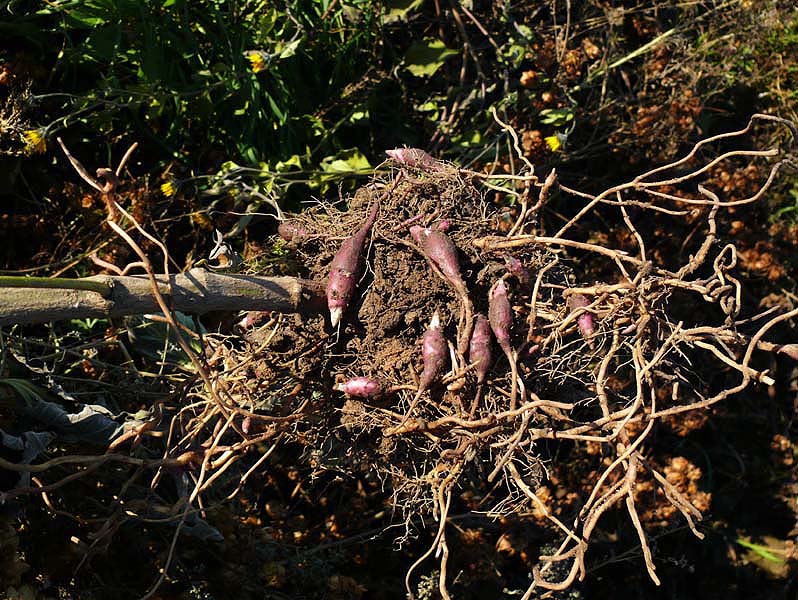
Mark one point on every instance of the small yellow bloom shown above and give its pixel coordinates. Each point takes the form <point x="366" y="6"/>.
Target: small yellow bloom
<point x="35" y="141"/>
<point x="553" y="142"/>
<point x="168" y="189"/>
<point x="257" y="61"/>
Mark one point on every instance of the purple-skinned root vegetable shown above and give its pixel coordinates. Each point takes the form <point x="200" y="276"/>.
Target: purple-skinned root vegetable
<point x="500" y="313"/>
<point x="434" y="351"/>
<point x="414" y="158"/>
<point x="584" y="321"/>
<point x="291" y="232"/>
<point x="443" y="225"/>
<point x="500" y="317"/>
<point x="360" y="387"/>
<point x="441" y="252"/>
<point x="516" y="268"/>
<point x="479" y="350"/>
<point x="254" y="317"/>
<point x="344" y="269"/>
<point x="433" y="356"/>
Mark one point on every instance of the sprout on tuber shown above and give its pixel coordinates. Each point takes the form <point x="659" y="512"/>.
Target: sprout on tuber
<point x="344" y="269"/>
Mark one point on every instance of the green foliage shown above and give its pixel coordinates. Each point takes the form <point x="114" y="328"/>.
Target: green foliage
<point x="204" y="77"/>
<point x="788" y="209"/>
<point x="427" y="56"/>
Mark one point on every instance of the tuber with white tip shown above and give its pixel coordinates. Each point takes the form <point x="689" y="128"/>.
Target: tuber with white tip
<point x="441" y="253"/>
<point x="433" y="356"/>
<point x="500" y="316"/>
<point x="344" y="269"/>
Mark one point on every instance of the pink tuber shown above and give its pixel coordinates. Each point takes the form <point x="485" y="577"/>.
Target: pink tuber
<point x="585" y="320"/>
<point x="479" y="348"/>
<point x="344" y="269"/>
<point x="500" y="315"/>
<point x="443" y="225"/>
<point x="433" y="353"/>
<point x="479" y="352"/>
<point x="441" y="252"/>
<point x="254" y="317"/>
<point x="518" y="270"/>
<point x="361" y="387"/>
<point x="414" y="158"/>
<point x="433" y="356"/>
<point x="291" y="232"/>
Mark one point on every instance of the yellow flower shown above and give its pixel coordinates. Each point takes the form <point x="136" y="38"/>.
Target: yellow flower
<point x="256" y="60"/>
<point x="35" y="141"/>
<point x="554" y="142"/>
<point x="168" y="189"/>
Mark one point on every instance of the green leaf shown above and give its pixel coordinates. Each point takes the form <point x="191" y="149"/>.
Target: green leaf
<point x="425" y="57"/>
<point x="348" y="161"/>
<point x="761" y="551"/>
<point x="295" y="162"/>
<point x="398" y="10"/>
<point x="556" y="116"/>
<point x="290" y="49"/>
<point x="469" y="139"/>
